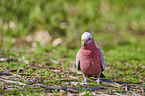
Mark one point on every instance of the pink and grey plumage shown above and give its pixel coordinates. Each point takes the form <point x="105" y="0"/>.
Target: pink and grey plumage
<point x="89" y="58"/>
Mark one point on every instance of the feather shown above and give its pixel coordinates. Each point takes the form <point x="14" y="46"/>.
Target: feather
<point x="102" y="59"/>
<point x="77" y="62"/>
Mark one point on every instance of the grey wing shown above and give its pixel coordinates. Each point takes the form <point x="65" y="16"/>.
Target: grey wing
<point x="102" y="59"/>
<point x="77" y="62"/>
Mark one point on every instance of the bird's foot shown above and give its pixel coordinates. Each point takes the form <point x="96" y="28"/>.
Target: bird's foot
<point x="98" y="82"/>
<point x="84" y="83"/>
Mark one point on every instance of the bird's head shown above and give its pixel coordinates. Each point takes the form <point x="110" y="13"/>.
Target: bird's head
<point x="86" y="38"/>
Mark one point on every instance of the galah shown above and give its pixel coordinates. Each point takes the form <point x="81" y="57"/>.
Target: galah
<point x="89" y="58"/>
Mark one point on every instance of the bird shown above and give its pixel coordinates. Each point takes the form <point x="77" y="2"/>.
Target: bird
<point x="90" y="59"/>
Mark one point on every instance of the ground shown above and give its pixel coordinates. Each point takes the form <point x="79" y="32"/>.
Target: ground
<point x="41" y="73"/>
<point x="39" y="41"/>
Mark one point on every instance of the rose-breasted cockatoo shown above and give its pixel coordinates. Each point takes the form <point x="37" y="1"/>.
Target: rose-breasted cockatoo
<point x="89" y="58"/>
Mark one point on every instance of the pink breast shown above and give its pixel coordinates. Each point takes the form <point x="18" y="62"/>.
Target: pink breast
<point x="90" y="62"/>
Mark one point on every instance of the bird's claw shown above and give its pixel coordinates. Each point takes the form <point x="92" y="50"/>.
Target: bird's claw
<point x="84" y="83"/>
<point x="98" y="82"/>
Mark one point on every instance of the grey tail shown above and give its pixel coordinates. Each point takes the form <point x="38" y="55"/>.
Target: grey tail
<point x="102" y="75"/>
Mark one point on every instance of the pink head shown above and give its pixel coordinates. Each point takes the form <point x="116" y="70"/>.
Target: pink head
<point x="87" y="41"/>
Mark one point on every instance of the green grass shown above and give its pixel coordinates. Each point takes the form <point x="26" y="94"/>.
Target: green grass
<point x="25" y="91"/>
<point x="60" y="18"/>
<point x="124" y="63"/>
<point x="117" y="28"/>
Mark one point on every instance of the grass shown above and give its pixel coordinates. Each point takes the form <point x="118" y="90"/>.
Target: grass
<point x="117" y="28"/>
<point x="24" y="92"/>
<point x="123" y="66"/>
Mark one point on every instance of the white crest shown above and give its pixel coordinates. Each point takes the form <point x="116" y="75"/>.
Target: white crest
<point x="86" y="36"/>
